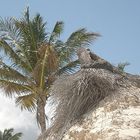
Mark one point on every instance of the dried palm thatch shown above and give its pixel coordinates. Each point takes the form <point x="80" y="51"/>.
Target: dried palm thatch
<point x="80" y="93"/>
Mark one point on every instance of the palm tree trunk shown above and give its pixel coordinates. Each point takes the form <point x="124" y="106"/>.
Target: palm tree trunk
<point x="41" y="117"/>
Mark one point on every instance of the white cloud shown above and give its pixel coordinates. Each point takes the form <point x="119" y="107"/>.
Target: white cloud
<point x="12" y="117"/>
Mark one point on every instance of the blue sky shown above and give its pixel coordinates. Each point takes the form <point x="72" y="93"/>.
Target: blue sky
<point x="118" y="21"/>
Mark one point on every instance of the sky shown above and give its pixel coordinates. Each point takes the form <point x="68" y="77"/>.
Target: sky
<point x="118" y="22"/>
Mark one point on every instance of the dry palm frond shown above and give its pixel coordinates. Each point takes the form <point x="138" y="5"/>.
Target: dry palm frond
<point x="46" y="65"/>
<point x="27" y="102"/>
<point x="78" y="94"/>
<point x="51" y="61"/>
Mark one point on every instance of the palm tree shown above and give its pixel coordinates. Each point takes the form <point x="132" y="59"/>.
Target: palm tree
<point x="7" y="134"/>
<point x="33" y="57"/>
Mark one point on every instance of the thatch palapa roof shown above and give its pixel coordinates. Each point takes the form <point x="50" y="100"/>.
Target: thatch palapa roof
<point x="80" y="93"/>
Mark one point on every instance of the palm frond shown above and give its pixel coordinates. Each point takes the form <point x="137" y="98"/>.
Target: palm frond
<point x="79" y="38"/>
<point x="11" y="88"/>
<point x="49" y="63"/>
<point x="16" y="136"/>
<point x="27" y="102"/>
<point x="27" y="14"/>
<point x="33" y="32"/>
<point x="61" y="50"/>
<point x="59" y="45"/>
<point x="38" y="28"/>
<point x="46" y="64"/>
<point x="7" y="133"/>
<point x="58" y="29"/>
<point x="8" y="73"/>
<point x="15" y="58"/>
<point x="1" y="135"/>
<point x="12" y="75"/>
<point x="28" y="43"/>
<point x="8" y="30"/>
<point x="70" y="68"/>
<point x="33" y="35"/>
<point x="10" y="33"/>
<point x="51" y="60"/>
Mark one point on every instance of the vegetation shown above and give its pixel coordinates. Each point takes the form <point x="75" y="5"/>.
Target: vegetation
<point x="34" y="57"/>
<point x="121" y="66"/>
<point x="7" y="134"/>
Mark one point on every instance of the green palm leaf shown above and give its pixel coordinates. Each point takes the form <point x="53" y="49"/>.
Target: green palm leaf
<point x="78" y="38"/>
<point x="8" y="73"/>
<point x="58" y="29"/>
<point x="12" y="88"/>
<point x="9" y="30"/>
<point x="15" y="58"/>
<point x="16" y="136"/>
<point x="1" y="136"/>
<point x="7" y="135"/>
<point x="70" y="68"/>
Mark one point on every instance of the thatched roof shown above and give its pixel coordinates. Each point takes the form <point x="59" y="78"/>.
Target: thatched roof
<point x="82" y="92"/>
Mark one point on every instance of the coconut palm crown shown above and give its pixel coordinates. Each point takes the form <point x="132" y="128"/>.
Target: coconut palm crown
<point x="32" y="57"/>
<point x="7" y="134"/>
